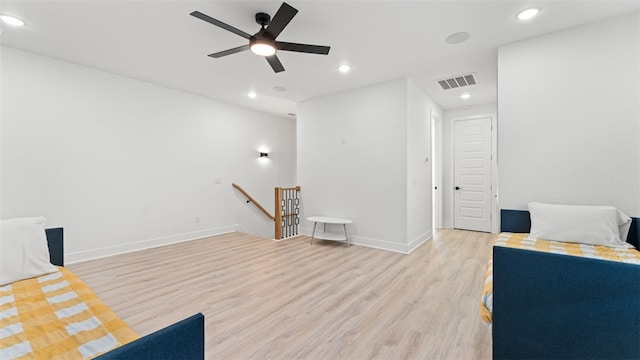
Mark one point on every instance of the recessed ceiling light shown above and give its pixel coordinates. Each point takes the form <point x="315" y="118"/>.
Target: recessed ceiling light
<point x="291" y="114"/>
<point x="527" y="14"/>
<point x="11" y="20"/>
<point x="344" y="68"/>
<point x="252" y="94"/>
<point x="457" y="38"/>
<point x="279" y="88"/>
<point x="465" y="96"/>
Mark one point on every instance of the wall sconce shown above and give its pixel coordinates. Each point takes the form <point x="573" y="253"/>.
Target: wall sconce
<point x="264" y="155"/>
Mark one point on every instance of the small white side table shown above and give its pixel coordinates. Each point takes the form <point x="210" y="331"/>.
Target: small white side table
<point x="328" y="235"/>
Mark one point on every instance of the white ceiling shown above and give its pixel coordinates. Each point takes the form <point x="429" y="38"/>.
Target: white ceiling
<point x="158" y="42"/>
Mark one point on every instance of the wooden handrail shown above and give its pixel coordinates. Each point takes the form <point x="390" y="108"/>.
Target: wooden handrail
<point x="251" y="199"/>
<point x="297" y="188"/>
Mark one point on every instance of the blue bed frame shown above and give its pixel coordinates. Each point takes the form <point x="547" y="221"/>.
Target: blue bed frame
<point x="181" y="340"/>
<point x="550" y="306"/>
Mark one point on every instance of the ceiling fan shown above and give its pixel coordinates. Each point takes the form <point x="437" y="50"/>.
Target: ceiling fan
<point x="264" y="41"/>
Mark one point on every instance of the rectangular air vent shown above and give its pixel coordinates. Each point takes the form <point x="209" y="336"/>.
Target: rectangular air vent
<point x="457" y="81"/>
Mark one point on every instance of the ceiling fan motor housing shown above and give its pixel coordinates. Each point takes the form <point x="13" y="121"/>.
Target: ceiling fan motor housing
<point x="257" y="39"/>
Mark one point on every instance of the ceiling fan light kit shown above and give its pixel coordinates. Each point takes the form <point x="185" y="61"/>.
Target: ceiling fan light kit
<point x="264" y="42"/>
<point x="262" y="47"/>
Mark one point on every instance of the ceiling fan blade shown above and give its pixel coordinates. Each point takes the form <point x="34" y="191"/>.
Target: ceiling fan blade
<point x="220" y="24"/>
<point x="238" y="49"/>
<point x="275" y="63"/>
<point x="280" y="20"/>
<point x="304" y="48"/>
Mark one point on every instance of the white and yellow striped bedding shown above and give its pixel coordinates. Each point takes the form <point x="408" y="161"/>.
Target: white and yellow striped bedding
<point x="57" y="316"/>
<point x="520" y="241"/>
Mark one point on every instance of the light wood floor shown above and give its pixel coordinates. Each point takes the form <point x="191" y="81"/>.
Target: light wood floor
<point x="286" y="300"/>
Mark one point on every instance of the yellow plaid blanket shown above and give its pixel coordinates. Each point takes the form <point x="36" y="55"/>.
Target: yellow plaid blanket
<point x="57" y="316"/>
<point x="520" y="241"/>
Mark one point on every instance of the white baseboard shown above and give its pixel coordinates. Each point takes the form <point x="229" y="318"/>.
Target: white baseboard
<point x="415" y="243"/>
<point x="79" y="256"/>
<point x="241" y="228"/>
<point x="287" y="238"/>
<point x="379" y="244"/>
<point x="382" y="244"/>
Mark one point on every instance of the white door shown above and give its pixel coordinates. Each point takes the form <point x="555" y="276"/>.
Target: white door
<point x="436" y="155"/>
<point x="472" y="174"/>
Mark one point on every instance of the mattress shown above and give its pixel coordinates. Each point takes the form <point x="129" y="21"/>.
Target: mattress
<point x="520" y="241"/>
<point x="57" y="316"/>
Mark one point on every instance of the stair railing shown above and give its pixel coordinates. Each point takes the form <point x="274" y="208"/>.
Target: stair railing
<point x="287" y="204"/>
<point x="287" y="210"/>
<point x="250" y="199"/>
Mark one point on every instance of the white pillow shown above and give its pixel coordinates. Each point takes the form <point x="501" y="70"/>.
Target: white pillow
<point x="591" y="225"/>
<point x="625" y="224"/>
<point x="23" y="249"/>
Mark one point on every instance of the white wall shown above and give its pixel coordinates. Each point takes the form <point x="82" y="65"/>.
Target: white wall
<point x="569" y="117"/>
<point x="447" y="168"/>
<point x="419" y="181"/>
<point x="354" y="162"/>
<point x="351" y="160"/>
<point x="122" y="164"/>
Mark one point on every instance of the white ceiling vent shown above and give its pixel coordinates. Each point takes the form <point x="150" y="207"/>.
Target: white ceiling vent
<point x="457" y="81"/>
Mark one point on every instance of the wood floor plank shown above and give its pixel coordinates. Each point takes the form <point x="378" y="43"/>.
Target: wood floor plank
<point x="284" y="300"/>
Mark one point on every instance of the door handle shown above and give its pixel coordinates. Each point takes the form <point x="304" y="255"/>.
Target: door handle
<point x="457" y="187"/>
